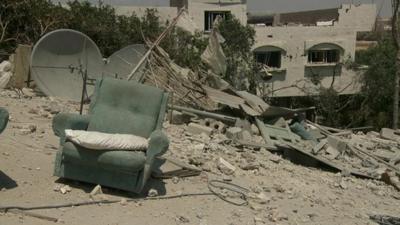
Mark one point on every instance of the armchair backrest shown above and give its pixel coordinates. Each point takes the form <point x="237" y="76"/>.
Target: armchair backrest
<point x="126" y="107"/>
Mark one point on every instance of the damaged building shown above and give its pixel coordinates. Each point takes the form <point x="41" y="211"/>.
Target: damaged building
<point x="306" y="50"/>
<point x="300" y="51"/>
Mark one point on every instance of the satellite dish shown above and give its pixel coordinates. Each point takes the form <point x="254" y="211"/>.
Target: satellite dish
<point x="60" y="60"/>
<point x="121" y="63"/>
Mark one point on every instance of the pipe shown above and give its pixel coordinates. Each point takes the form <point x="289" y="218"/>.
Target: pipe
<point x="216" y="116"/>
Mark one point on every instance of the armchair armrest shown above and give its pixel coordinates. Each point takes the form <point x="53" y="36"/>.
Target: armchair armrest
<point x="71" y="121"/>
<point x="158" y="145"/>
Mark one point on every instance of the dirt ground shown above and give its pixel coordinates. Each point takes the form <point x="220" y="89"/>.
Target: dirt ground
<point x="291" y="194"/>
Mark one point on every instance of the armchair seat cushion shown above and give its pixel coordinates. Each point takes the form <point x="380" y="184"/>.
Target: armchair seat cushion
<point x="128" y="161"/>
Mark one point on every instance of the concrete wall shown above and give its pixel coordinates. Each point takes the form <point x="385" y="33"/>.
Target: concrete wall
<point x="297" y="40"/>
<point x="165" y="13"/>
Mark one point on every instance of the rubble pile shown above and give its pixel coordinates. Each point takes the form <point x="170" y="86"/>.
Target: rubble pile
<point x="216" y="147"/>
<point x="223" y="122"/>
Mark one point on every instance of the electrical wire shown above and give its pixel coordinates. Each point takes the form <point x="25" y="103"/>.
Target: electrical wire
<point x="213" y="185"/>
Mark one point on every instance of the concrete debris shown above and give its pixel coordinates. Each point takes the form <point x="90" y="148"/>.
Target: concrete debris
<point x="319" y="146"/>
<point x="28" y="92"/>
<point x="337" y="143"/>
<point x="255" y="130"/>
<point x="275" y="158"/>
<point x="250" y="166"/>
<point x="152" y="193"/>
<point x="278" y="188"/>
<point x="390" y="134"/>
<point x="96" y="190"/>
<point x="123" y="202"/>
<point x="234" y="133"/>
<point x="26" y="129"/>
<point x="195" y="128"/>
<point x="225" y="167"/>
<point x="332" y="152"/>
<point x="63" y="189"/>
<point x="179" y="118"/>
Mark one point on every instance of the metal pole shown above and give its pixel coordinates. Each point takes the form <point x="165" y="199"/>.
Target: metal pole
<point x="216" y="116"/>
<point x="156" y="43"/>
<point x="83" y="91"/>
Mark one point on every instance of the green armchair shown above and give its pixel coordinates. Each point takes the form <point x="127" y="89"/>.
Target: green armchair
<point x="3" y="119"/>
<point x="118" y="106"/>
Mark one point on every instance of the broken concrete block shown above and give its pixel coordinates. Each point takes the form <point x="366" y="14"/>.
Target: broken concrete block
<point x="195" y="128"/>
<point x="255" y="130"/>
<point x="197" y="161"/>
<point x="337" y="143"/>
<point x="96" y="190"/>
<point x="319" y="146"/>
<point x="333" y="153"/>
<point x="179" y="118"/>
<point x="152" y="193"/>
<point x="275" y="158"/>
<point x="250" y="166"/>
<point x="225" y="167"/>
<point x="233" y="133"/>
<point x="245" y="135"/>
<point x="65" y="189"/>
<point x="28" y="92"/>
<point x="390" y="134"/>
<point x="248" y="156"/>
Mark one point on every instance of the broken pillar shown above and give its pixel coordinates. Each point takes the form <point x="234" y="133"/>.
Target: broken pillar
<point x="21" y="66"/>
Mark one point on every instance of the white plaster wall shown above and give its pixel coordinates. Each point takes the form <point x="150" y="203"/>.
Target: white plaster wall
<point x="165" y="13"/>
<point x="358" y="17"/>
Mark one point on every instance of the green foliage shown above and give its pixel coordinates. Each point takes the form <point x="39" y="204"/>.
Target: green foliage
<point x="25" y="21"/>
<point x="378" y="83"/>
<point x="239" y="40"/>
<point x="184" y="48"/>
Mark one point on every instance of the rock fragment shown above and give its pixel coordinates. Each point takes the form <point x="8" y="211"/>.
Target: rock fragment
<point x="152" y="193"/>
<point x="225" y="167"/>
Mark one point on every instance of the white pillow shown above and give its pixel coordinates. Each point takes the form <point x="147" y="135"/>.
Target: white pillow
<point x="103" y="141"/>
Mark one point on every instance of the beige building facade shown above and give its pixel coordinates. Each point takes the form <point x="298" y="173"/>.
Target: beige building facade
<point x="301" y="51"/>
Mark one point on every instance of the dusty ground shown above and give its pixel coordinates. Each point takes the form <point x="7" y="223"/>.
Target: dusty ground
<point x="293" y="194"/>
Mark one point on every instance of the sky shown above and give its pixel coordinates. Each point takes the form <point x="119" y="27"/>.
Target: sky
<point x="384" y="6"/>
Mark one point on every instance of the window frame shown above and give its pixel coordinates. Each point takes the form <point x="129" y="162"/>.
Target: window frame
<point x="209" y="18"/>
<point x="270" y="53"/>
